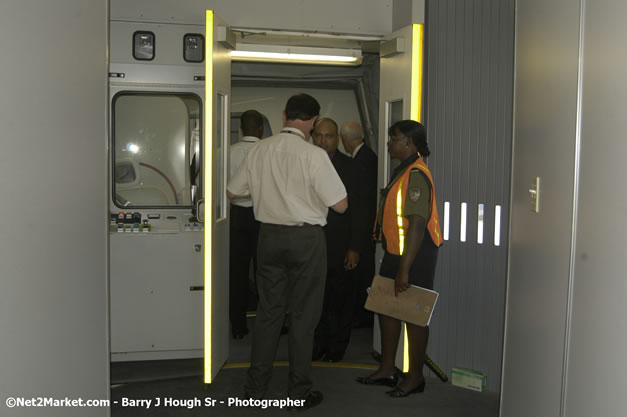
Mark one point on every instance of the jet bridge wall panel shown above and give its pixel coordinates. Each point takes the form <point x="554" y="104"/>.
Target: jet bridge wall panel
<point x="53" y="182"/>
<point x="468" y="116"/>
<point x="596" y="366"/>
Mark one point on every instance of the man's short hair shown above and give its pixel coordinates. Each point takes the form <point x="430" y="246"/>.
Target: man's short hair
<point x="301" y="107"/>
<point x="250" y="121"/>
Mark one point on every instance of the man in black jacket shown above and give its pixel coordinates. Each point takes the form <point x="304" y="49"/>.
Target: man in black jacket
<point x="334" y="329"/>
<point x="365" y="194"/>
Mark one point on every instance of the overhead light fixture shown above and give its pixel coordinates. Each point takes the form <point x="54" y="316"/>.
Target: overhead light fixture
<point x="296" y="54"/>
<point x="310" y="34"/>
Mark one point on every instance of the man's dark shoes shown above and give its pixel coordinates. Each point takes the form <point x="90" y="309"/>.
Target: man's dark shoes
<point x="399" y="393"/>
<point x="388" y="381"/>
<point x="312" y="399"/>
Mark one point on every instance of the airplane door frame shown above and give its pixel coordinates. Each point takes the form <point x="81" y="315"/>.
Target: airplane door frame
<point x="216" y="239"/>
<point x="163" y="264"/>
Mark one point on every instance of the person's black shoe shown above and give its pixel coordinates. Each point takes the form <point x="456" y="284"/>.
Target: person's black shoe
<point x="388" y="381"/>
<point x="312" y="399"/>
<point x="399" y="393"/>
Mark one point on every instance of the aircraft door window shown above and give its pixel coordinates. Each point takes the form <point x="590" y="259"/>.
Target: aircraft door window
<point x="156" y="147"/>
<point x="193" y="47"/>
<point x="394" y="113"/>
<point x="220" y="146"/>
<point x="143" y="46"/>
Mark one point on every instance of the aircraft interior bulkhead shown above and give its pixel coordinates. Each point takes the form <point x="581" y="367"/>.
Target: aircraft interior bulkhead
<point x="176" y="91"/>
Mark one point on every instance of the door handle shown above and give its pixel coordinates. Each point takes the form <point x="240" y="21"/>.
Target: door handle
<point x="534" y="194"/>
<point x="200" y="214"/>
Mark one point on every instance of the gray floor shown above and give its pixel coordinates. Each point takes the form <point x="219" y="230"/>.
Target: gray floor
<point x="181" y="381"/>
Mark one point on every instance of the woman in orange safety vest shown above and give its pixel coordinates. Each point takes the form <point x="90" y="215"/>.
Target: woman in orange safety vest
<point x="409" y="228"/>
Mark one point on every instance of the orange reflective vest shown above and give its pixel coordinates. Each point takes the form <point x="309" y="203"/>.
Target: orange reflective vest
<point x="394" y="223"/>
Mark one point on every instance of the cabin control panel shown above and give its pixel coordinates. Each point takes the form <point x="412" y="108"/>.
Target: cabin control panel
<point x="128" y="222"/>
<point x="135" y="222"/>
<point x="126" y="218"/>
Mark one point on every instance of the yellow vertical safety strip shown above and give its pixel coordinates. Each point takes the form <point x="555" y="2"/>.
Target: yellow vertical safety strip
<point x="415" y="113"/>
<point x="437" y="232"/>
<point x="208" y="184"/>
<point x="399" y="218"/>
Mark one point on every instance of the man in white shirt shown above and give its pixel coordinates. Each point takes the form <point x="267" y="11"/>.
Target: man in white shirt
<point x="244" y="229"/>
<point x="292" y="184"/>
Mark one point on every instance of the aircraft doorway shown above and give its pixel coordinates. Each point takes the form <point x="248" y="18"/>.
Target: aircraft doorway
<point x="351" y="93"/>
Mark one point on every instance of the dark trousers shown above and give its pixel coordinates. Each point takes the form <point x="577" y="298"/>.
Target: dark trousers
<point x="364" y="273"/>
<point x="244" y="231"/>
<point x="334" y="330"/>
<point x="290" y="278"/>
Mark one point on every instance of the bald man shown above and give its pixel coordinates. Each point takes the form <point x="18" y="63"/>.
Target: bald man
<point x="365" y="193"/>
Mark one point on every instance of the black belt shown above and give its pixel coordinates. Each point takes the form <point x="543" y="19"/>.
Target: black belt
<point x="290" y="225"/>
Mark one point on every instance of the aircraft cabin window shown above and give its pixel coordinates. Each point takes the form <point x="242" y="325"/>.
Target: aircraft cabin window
<point x="144" y="46"/>
<point x="156" y="149"/>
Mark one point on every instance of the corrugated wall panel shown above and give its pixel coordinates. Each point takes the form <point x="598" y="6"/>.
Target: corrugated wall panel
<point x="468" y="116"/>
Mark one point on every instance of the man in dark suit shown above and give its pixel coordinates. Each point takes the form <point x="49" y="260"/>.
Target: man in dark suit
<point x="365" y="195"/>
<point x="334" y="329"/>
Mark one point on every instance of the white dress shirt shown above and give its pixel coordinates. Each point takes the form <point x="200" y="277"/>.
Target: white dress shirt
<point x="357" y="149"/>
<point x="238" y="152"/>
<point x="291" y="181"/>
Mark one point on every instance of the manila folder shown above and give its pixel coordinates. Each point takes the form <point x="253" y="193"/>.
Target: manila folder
<point x="412" y="306"/>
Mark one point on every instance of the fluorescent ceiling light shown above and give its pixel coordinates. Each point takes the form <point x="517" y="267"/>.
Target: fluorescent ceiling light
<point x="296" y="54"/>
<point x="317" y="34"/>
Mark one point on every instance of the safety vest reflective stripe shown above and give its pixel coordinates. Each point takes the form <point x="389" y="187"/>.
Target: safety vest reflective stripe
<point x="399" y="218"/>
<point x="437" y="232"/>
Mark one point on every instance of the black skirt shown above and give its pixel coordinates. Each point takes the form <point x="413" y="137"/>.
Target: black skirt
<point x="422" y="271"/>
